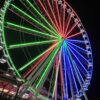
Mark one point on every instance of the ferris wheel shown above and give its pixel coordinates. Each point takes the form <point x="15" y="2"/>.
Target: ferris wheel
<point x="48" y="47"/>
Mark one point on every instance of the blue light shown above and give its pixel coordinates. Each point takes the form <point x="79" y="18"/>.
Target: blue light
<point x="76" y="41"/>
<point x="68" y="56"/>
<point x="77" y="47"/>
<point x="82" y="66"/>
<point x="65" y="74"/>
<point x="79" y="55"/>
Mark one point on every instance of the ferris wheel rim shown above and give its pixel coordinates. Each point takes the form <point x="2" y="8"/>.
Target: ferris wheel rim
<point x="85" y="33"/>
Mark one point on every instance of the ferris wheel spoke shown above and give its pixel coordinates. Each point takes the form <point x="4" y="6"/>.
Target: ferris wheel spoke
<point x="81" y="64"/>
<point x="79" y="77"/>
<point x="53" y="15"/>
<point x="70" y="79"/>
<point x="39" y="95"/>
<point x="56" y="91"/>
<point x="40" y="67"/>
<point x="34" y="20"/>
<point x="57" y="33"/>
<point x="49" y="66"/>
<point x="76" y="41"/>
<point x="41" y="60"/>
<point x="33" y="80"/>
<point x="74" y="35"/>
<point x="79" y="55"/>
<point x="35" y="77"/>
<point x="78" y="74"/>
<point x="58" y="14"/>
<point x="72" y="28"/>
<point x="64" y="14"/>
<point x="48" y="15"/>
<point x="29" y="30"/>
<point x="68" y="23"/>
<point x="73" y="77"/>
<point x="22" y="45"/>
<point x="62" y="81"/>
<point x="31" y="33"/>
<point x="44" y="79"/>
<point x="75" y="69"/>
<point x="26" y="19"/>
<point x="80" y="49"/>
<point x="36" y="58"/>
<point x="65" y="75"/>
<point x="30" y="5"/>
<point x="57" y="71"/>
<point x="62" y="78"/>
<point x="51" y="80"/>
<point x="28" y="8"/>
<point x="69" y="58"/>
<point x="38" y="12"/>
<point x="56" y="77"/>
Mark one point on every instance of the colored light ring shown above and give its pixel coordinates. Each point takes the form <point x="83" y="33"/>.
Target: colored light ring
<point x="86" y="40"/>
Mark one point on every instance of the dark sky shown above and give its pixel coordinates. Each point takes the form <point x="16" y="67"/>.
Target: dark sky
<point x="89" y="12"/>
<point x="1" y="3"/>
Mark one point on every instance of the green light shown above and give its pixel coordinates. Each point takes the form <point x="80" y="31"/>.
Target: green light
<point x="39" y="70"/>
<point x="45" y="63"/>
<point x="4" y="40"/>
<point x="34" y="20"/>
<point x="38" y="95"/>
<point x="55" y="32"/>
<point x="29" y="63"/>
<point x="29" y="29"/>
<point x="44" y="75"/>
<point x="30" y="44"/>
<point x="54" y="88"/>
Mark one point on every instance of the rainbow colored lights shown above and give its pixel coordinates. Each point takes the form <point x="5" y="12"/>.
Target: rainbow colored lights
<point x="48" y="48"/>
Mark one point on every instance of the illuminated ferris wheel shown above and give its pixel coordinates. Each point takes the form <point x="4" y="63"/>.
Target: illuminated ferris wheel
<point x="48" y="48"/>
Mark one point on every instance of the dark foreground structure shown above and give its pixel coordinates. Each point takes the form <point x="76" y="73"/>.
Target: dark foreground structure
<point x="9" y="87"/>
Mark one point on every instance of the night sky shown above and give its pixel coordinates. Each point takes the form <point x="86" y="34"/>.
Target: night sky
<point x="89" y="12"/>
